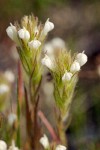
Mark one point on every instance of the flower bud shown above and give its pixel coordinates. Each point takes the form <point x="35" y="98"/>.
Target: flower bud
<point x="75" y="67"/>
<point x="60" y="147"/>
<point x="24" y="34"/>
<point x="12" y="32"/>
<point x="81" y="58"/>
<point x="67" y="76"/>
<point x="48" y="27"/>
<point x="3" y="145"/>
<point x="44" y="141"/>
<point x="47" y="62"/>
<point x="34" y="44"/>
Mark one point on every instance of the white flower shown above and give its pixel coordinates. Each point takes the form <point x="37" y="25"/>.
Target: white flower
<point x="61" y="147"/>
<point x="67" y="76"/>
<point x="81" y="58"/>
<point x="58" y="43"/>
<point x="24" y="34"/>
<point x="3" y="145"/>
<point x="12" y="32"/>
<point x="4" y="88"/>
<point x="48" y="27"/>
<point x="9" y="76"/>
<point x="47" y="62"/>
<point x="13" y="147"/>
<point x="34" y="44"/>
<point x="75" y="67"/>
<point x="44" y="141"/>
<point x="48" y="49"/>
<point x="12" y="118"/>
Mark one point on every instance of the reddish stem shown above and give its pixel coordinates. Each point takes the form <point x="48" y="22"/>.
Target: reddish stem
<point x="20" y="83"/>
<point x="48" y="126"/>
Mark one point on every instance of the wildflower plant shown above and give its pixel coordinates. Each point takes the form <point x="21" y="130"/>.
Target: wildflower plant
<point x="29" y="36"/>
<point x="64" y="69"/>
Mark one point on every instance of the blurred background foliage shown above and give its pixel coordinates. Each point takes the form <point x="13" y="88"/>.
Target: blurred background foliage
<point x="78" y="23"/>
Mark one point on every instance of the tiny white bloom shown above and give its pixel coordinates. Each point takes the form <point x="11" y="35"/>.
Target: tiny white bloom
<point x="3" y="145"/>
<point x="12" y="32"/>
<point x="48" y="49"/>
<point x="9" y="76"/>
<point x="48" y="27"/>
<point x="24" y="34"/>
<point x="58" y="43"/>
<point x="75" y="67"/>
<point x="12" y="118"/>
<point x="13" y="147"/>
<point x="34" y="44"/>
<point x="67" y="76"/>
<point x="48" y="62"/>
<point x="61" y="147"/>
<point x="4" y="88"/>
<point x="81" y="58"/>
<point x="44" y="141"/>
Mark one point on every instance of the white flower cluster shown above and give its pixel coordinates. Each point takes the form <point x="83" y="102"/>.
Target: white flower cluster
<point x="45" y="143"/>
<point x="3" y="146"/>
<point x="24" y="34"/>
<point x="80" y="60"/>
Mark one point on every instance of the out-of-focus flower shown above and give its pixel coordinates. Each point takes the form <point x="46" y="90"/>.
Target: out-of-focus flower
<point x="53" y="47"/>
<point x="48" y="27"/>
<point x="81" y="58"/>
<point x="60" y="147"/>
<point x="9" y="76"/>
<point x="24" y="34"/>
<point x="12" y="118"/>
<point x="13" y="147"/>
<point x="48" y="62"/>
<point x="58" y="43"/>
<point x="4" y="88"/>
<point x="12" y="32"/>
<point x="67" y="76"/>
<point x="44" y="141"/>
<point x="34" y="44"/>
<point x="48" y="49"/>
<point x="75" y="67"/>
<point x="3" y="145"/>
